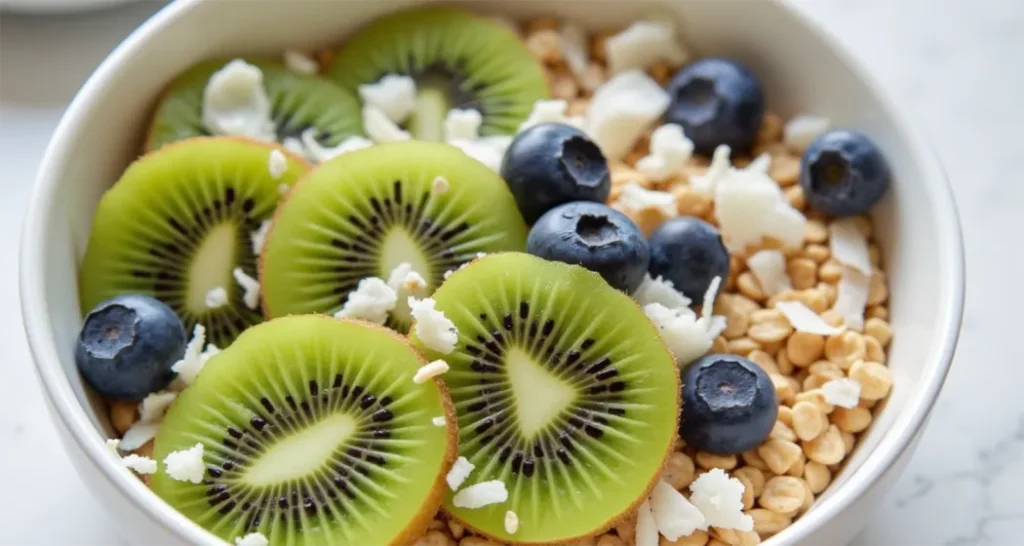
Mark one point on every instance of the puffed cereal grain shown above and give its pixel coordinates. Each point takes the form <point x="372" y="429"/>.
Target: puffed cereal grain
<point x="828" y="448"/>
<point x="782" y="495"/>
<point x="874" y="378"/>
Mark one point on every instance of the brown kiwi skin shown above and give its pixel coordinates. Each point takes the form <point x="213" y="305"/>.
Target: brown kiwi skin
<point x="612" y="522"/>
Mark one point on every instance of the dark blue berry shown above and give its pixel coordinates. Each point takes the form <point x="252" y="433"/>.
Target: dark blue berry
<point x="843" y="173"/>
<point x="729" y="404"/>
<point x="689" y="252"/>
<point x="127" y="346"/>
<point x="551" y="164"/>
<point x="594" y="236"/>
<point x="716" y="101"/>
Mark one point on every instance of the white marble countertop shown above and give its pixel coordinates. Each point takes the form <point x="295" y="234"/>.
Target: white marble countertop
<point x="958" y="66"/>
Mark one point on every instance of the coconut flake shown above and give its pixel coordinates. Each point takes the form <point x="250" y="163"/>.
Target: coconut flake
<point x="849" y="246"/>
<point x="481" y="494"/>
<point x="769" y="267"/>
<point x="235" y="103"/>
<point x="216" y="297"/>
<point x="140" y="464"/>
<point x="489" y="150"/>
<point x="674" y="515"/>
<point x="300" y="63"/>
<point x="511" y="522"/>
<point x="708" y="303"/>
<point x="646" y="533"/>
<point x="720" y="168"/>
<point x="799" y="132"/>
<point x="720" y="499"/>
<point x="852" y="297"/>
<point x="642" y="44"/>
<point x="459" y="472"/>
<point x="277" y="164"/>
<point x="319" y="153"/>
<point x="622" y="109"/>
<point x="394" y="96"/>
<point x="685" y="335"/>
<point x="545" y="111"/>
<point x="844" y="392"/>
<point x="749" y="206"/>
<point x="137" y="435"/>
<point x="186" y="465"/>
<point x="439" y="421"/>
<point x="462" y="124"/>
<point x="251" y="286"/>
<point x="372" y="300"/>
<point x="258" y="237"/>
<point x="433" y="328"/>
<point x="191" y="362"/>
<point x="634" y="199"/>
<point x="154" y="406"/>
<point x="804" y="319"/>
<point x="574" y="49"/>
<point x="112" y="445"/>
<point x="761" y="164"/>
<point x="380" y="128"/>
<point x="252" y="539"/>
<point x="440" y="185"/>
<point x="430" y="371"/>
<point x="670" y="150"/>
<point x="659" y="290"/>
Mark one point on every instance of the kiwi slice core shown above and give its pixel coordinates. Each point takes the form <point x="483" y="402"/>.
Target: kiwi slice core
<point x="364" y="213"/>
<point x="313" y="432"/>
<point x="178" y="223"/>
<point x="458" y="60"/>
<point x="564" y="391"/>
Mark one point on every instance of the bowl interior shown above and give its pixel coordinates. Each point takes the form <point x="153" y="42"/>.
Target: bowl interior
<point x="802" y="73"/>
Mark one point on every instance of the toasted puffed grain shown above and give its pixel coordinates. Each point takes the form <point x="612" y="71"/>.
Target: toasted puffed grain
<point x="742" y="346"/>
<point x="697" y="538"/>
<point x="817" y="476"/>
<point x="782" y="495"/>
<point x="779" y="454"/>
<point x="845" y="348"/>
<point x="708" y="461"/>
<point x="123" y="415"/>
<point x="804" y="349"/>
<point x="808" y="420"/>
<point x="828" y="448"/>
<point x="874" y="378"/>
<point x="679" y="470"/>
<point x="855" y="419"/>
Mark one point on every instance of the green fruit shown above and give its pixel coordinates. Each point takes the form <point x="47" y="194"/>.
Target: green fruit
<point x="564" y="391"/>
<point x="458" y="60"/>
<point x="178" y="223"/>
<point x="313" y="433"/>
<point x="364" y="213"/>
<point x="298" y="102"/>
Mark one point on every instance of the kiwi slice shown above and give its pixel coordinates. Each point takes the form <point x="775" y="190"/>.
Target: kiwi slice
<point x="177" y="224"/>
<point x="298" y="102"/>
<point x="458" y="60"/>
<point x="564" y="391"/>
<point x="313" y="432"/>
<point x="366" y="212"/>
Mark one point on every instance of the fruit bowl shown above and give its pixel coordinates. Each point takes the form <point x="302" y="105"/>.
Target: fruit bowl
<point x="915" y="224"/>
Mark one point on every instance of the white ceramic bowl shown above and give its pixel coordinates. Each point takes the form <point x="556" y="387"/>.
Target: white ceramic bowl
<point x="802" y="69"/>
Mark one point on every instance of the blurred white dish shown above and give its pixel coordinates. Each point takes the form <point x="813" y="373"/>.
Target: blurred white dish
<point x="57" y="6"/>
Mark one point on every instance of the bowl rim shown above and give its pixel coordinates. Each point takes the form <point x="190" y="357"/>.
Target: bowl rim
<point x="57" y="388"/>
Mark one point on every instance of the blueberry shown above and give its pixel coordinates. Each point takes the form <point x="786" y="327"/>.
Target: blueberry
<point x="843" y="173"/>
<point x="127" y="346"/>
<point x="716" y="101"/>
<point x="689" y="252"/>
<point x="550" y="164"/>
<point x="729" y="404"/>
<point x="595" y="236"/>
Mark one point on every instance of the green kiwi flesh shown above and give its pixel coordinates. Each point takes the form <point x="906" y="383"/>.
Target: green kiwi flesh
<point x="564" y="391"/>
<point x="365" y="212"/>
<point x="313" y="432"/>
<point x="298" y="102"/>
<point x="458" y="60"/>
<point x="176" y="225"/>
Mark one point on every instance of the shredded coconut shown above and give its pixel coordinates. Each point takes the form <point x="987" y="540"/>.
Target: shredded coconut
<point x="393" y="95"/>
<point x="112" y="445"/>
<point x="720" y="499"/>
<point x="216" y="297"/>
<point x="804" y="319"/>
<point x="295" y="146"/>
<point x="252" y="539"/>
<point x="708" y="303"/>
<point x="750" y="206"/>
<point x="685" y="335"/>
<point x="186" y="465"/>
<point x="380" y="129"/>
<point x="635" y="199"/>
<point x="251" y="286"/>
<point x="137" y="435"/>
<point x="661" y="291"/>
<point x="546" y="111"/>
<point x="489" y="150"/>
<point x="852" y="297"/>
<point x="646" y="528"/>
<point x="643" y="44"/>
<point x="259" y="237"/>
<point x="459" y="472"/>
<point x="849" y="246"/>
<point x="403" y="278"/>
<point x="300" y="63"/>
<point x="769" y="267"/>
<point x="430" y="371"/>
<point x="511" y="522"/>
<point x="574" y="49"/>
<point x="154" y="406"/>
<point x="799" y="132"/>
<point x="844" y="392"/>
<point x="235" y="103"/>
<point x="761" y="164"/>
<point x="462" y="124"/>
<point x="481" y="494"/>
<point x="674" y="515"/>
<point x="440" y="185"/>
<point x="318" y="153"/>
<point x="670" y="150"/>
<point x="720" y="168"/>
<point x="372" y="300"/>
<point x="432" y="327"/>
<point x="439" y="421"/>
<point x="140" y="464"/>
<point x="192" y="361"/>
<point x="277" y="164"/>
<point x="622" y="109"/>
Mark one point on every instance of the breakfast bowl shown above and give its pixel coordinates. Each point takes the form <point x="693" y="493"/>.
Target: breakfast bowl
<point x="915" y="225"/>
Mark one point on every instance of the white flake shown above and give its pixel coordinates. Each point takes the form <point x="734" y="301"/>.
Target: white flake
<point x="440" y="185"/>
<point x="447" y="274"/>
<point x="235" y="103"/>
<point x="430" y="371"/>
<point x="481" y="494"/>
<point x="393" y="95"/>
<point x="643" y="44"/>
<point x="687" y="336"/>
<point x="372" y="300"/>
<point x="646" y="533"/>
<point x="432" y="327"/>
<point x="439" y="421"/>
<point x="137" y="435"/>
<point x="719" y="169"/>
<point x="844" y="392"/>
<point x="112" y="444"/>
<point x="622" y="109"/>
<point x="186" y="465"/>
<point x="769" y="268"/>
<point x="661" y="291"/>
<point x="277" y="164"/>
<point x="459" y="472"/>
<point x="402" y="277"/>
<point x="670" y="150"/>
<point x="489" y="150"/>
<point x="295" y="146"/>
<point x="209" y="352"/>
<point x="574" y="49"/>
<point x="300" y="63"/>
<point x="318" y="153"/>
<point x="259" y="237"/>
<point x="708" y="303"/>
<point x="761" y="164"/>
<point x="799" y="132"/>
<point x="252" y="539"/>
<point x="216" y="297"/>
<point x="511" y="522"/>
<point x="154" y="406"/>
<point x="191" y="362"/>
<point x="804" y="319"/>
<point x="462" y="124"/>
<point x="720" y="499"/>
<point x="380" y="128"/>
<point x="140" y="464"/>
<point x="283" y="189"/>
<point x="634" y="199"/>
<point x="750" y="206"/>
<point x="849" y="246"/>
<point x="674" y="515"/>
<point x="251" y="286"/>
<point x="546" y="111"/>
<point x="852" y="297"/>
